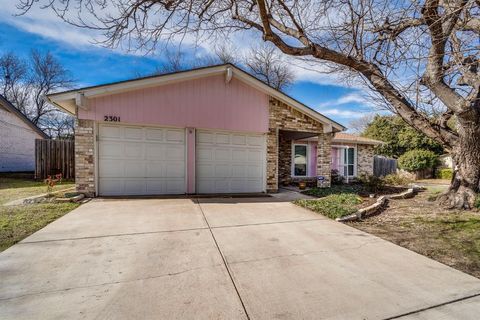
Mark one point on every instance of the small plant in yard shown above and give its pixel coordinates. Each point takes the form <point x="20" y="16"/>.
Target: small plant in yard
<point x="51" y="181"/>
<point x="336" y="178"/>
<point x="397" y="180"/>
<point x="371" y="182"/>
<point x="445" y="173"/>
<point x="416" y="160"/>
<point x="333" y="206"/>
<point x="477" y="201"/>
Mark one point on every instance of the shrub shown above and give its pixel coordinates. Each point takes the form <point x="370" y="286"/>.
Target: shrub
<point x="371" y="182"/>
<point x="416" y="160"/>
<point x="334" y="205"/>
<point x="445" y="174"/>
<point x="336" y="177"/>
<point x="397" y="180"/>
<point x="476" y="204"/>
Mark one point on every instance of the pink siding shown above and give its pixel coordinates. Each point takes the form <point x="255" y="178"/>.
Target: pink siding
<point x="207" y="103"/>
<point x="335" y="159"/>
<point x="313" y="158"/>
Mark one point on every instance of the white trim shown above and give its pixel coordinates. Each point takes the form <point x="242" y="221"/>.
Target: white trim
<point x="61" y="99"/>
<point x="307" y="160"/>
<point x="356" y="142"/>
<point x="95" y="156"/>
<point x="341" y="159"/>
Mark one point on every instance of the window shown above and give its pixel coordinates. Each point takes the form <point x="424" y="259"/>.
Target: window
<point x="300" y="160"/>
<point x="349" y="162"/>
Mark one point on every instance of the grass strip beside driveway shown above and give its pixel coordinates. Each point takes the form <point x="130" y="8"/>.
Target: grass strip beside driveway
<point x="18" y="222"/>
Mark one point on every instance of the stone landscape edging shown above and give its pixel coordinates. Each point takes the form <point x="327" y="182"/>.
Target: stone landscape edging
<point x="378" y="205"/>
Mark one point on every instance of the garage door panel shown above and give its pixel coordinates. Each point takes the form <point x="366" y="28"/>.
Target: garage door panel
<point x="155" y="151"/>
<point x="253" y="171"/>
<point x="112" y="168"/>
<point x="112" y="132"/>
<point x="204" y="154"/>
<point x="115" y="187"/>
<point x="222" y="138"/>
<point x="238" y="139"/>
<point x="141" y="160"/>
<point x="133" y="133"/>
<point x="205" y="170"/>
<point x="135" y="187"/>
<point x="134" y="169"/>
<point x="111" y="149"/>
<point x="238" y="171"/>
<point x="154" y="134"/>
<point x="239" y="155"/>
<point x="222" y="171"/>
<point x="174" y="152"/>
<point x="155" y="169"/>
<point x="205" y="137"/>
<point x="175" y="169"/>
<point x="254" y="155"/>
<point x="174" y="186"/>
<point x="133" y="150"/>
<point x="255" y="141"/>
<point x="175" y="135"/>
<point x="230" y="162"/>
<point x="222" y="155"/>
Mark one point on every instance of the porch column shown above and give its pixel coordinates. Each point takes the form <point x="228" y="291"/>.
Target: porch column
<point x="324" y="159"/>
<point x="272" y="160"/>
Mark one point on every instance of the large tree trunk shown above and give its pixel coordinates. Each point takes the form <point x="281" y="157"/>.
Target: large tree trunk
<point x="466" y="179"/>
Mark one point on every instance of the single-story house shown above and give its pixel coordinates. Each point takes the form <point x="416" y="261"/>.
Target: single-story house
<point x="17" y="139"/>
<point x="209" y="130"/>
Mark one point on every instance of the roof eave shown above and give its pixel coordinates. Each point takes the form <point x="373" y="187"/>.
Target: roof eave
<point x="61" y="98"/>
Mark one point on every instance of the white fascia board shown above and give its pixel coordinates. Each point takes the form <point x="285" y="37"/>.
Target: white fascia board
<point x="356" y="142"/>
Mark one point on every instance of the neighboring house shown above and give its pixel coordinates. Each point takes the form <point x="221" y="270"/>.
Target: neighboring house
<point x="445" y="161"/>
<point x="209" y="130"/>
<point x="17" y="139"/>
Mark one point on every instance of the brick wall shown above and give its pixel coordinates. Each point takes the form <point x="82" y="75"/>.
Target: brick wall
<point x="284" y="117"/>
<point x="84" y="157"/>
<point x="365" y="159"/>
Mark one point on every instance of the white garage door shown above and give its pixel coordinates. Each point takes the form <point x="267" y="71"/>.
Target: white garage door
<point x="141" y="160"/>
<point x="230" y="162"/>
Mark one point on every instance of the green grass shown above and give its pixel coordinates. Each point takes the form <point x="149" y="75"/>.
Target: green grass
<point x="13" y="189"/>
<point x="460" y="233"/>
<point x="335" y="189"/>
<point x="333" y="205"/>
<point x="18" y="222"/>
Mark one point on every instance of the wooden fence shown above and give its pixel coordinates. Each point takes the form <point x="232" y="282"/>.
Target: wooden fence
<point x="54" y="156"/>
<point x="383" y="166"/>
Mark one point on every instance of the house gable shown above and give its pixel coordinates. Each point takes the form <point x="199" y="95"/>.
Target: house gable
<point x="207" y="102"/>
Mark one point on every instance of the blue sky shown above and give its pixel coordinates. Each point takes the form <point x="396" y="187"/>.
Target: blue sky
<point x="92" y="64"/>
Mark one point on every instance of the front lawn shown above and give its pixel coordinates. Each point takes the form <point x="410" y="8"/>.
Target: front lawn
<point x="421" y="225"/>
<point x="334" y="205"/>
<point x="18" y="222"/>
<point x="13" y="188"/>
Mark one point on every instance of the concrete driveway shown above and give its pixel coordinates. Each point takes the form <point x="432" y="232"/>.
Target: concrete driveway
<point x="256" y="258"/>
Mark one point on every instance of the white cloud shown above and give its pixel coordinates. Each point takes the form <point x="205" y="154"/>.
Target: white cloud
<point x="341" y="113"/>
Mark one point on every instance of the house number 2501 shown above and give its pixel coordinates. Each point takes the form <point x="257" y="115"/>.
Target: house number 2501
<point x="111" y="118"/>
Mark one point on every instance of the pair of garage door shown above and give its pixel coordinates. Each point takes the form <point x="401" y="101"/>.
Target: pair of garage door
<point x="152" y="161"/>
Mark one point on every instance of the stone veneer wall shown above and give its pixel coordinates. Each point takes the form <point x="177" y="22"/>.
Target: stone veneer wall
<point x="365" y="159"/>
<point x="84" y="157"/>
<point x="284" y="117"/>
<point x="285" y="160"/>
